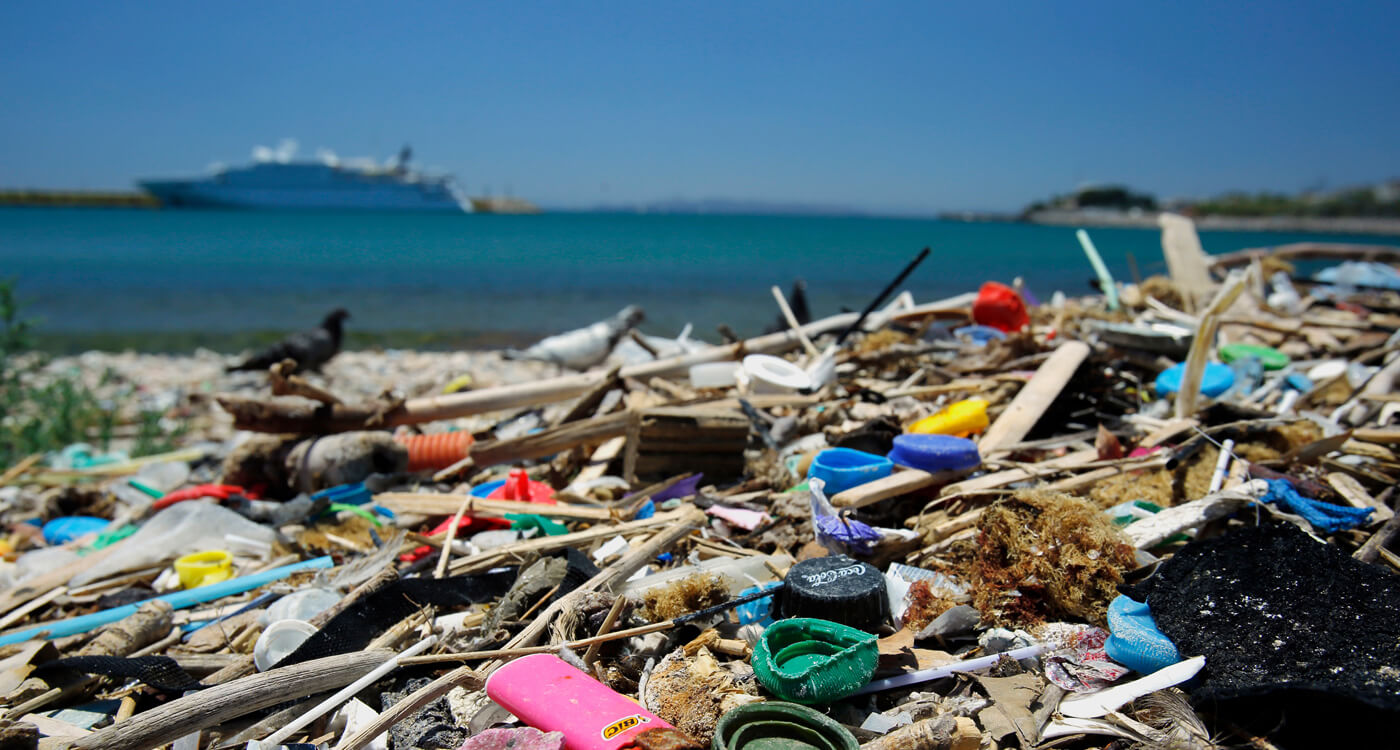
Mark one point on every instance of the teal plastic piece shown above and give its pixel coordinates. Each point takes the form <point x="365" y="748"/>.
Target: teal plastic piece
<point x="1215" y="380"/>
<point x="775" y="725"/>
<point x="844" y="468"/>
<point x="1134" y="640"/>
<point x="527" y="521"/>
<point x="177" y="600"/>
<point x="807" y="660"/>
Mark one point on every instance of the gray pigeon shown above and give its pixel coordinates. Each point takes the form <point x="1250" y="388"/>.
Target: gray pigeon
<point x="310" y="349"/>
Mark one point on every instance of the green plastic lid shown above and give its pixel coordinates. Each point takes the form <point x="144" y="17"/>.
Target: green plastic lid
<point x="806" y="660"/>
<point x="779" y="726"/>
<point x="1271" y="358"/>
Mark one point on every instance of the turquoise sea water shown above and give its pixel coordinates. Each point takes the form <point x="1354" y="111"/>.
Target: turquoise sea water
<point x="85" y="270"/>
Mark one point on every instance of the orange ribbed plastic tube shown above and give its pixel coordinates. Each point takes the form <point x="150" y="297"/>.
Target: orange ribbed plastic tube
<point x="436" y="451"/>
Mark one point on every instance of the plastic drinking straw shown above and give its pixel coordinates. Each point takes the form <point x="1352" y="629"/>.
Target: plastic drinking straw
<point x="344" y="694"/>
<point x="177" y="600"/>
<point x="1110" y="292"/>
<point x="948" y="670"/>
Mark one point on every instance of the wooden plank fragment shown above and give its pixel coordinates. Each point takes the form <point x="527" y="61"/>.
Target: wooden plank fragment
<point x="1035" y="397"/>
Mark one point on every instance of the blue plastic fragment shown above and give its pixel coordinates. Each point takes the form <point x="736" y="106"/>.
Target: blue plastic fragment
<point x="980" y="335"/>
<point x="935" y="453"/>
<point x="1323" y="516"/>
<point x="66" y="529"/>
<point x="1134" y="640"/>
<point x="350" y="494"/>
<point x="647" y="510"/>
<point x="1215" y="380"/>
<point x="758" y="610"/>
<point x="844" y="468"/>
<point x="485" y="489"/>
<point x="1298" y="382"/>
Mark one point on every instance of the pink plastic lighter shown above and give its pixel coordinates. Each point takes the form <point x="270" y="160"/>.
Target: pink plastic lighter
<point x="547" y="693"/>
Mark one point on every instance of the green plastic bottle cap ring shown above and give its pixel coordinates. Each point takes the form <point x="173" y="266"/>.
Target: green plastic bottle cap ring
<point x="1269" y="357"/>
<point x="806" y="660"/>
<point x="779" y="726"/>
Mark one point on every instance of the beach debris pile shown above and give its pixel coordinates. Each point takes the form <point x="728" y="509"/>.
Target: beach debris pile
<point x="1158" y="516"/>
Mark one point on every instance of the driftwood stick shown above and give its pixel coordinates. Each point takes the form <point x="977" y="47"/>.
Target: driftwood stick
<point x="1035" y="397"/>
<point x="589" y="402"/>
<point x="432" y="504"/>
<point x="550" y="441"/>
<point x="221" y="703"/>
<point x="1369" y="551"/>
<point x="1309" y="251"/>
<point x="574" y="539"/>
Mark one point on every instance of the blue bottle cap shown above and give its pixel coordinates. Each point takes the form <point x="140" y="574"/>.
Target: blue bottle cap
<point x="935" y="453"/>
<point x="1216" y="379"/>
<point x="66" y="529"/>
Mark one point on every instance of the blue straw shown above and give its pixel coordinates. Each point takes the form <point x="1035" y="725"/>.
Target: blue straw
<point x="177" y="600"/>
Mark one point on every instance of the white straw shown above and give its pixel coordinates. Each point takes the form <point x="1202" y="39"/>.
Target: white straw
<point x="1222" y="464"/>
<point x="345" y="694"/>
<point x="948" y="670"/>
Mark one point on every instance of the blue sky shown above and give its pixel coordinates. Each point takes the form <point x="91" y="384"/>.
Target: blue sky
<point x="902" y="107"/>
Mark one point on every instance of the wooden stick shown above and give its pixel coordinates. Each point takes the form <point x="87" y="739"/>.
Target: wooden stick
<point x="618" y="603"/>
<point x="1003" y="478"/>
<point x="895" y="485"/>
<point x="574" y="539"/>
<point x="446" y="555"/>
<point x="1357" y="497"/>
<point x="511" y="653"/>
<point x="1035" y="397"/>
<point x="589" y="402"/>
<point x="426" y="504"/>
<point x="22" y="612"/>
<point x="1189" y="394"/>
<point x="24" y="465"/>
<point x="1371" y="549"/>
<point x="47" y="581"/>
<point x="215" y="705"/>
<point x="552" y="440"/>
<point x="792" y="322"/>
<point x="1333" y="251"/>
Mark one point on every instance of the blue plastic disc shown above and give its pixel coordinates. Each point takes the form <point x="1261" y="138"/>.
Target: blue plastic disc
<point x="66" y="529"/>
<point x="1216" y="379"/>
<point x="933" y="453"/>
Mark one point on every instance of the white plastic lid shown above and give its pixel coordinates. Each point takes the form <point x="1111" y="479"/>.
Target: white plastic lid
<point x="278" y="640"/>
<point x="776" y="373"/>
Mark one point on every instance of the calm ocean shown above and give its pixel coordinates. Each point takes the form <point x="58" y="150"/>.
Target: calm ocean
<point x="86" y="270"/>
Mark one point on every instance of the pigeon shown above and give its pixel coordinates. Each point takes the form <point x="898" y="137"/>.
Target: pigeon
<point x="310" y="349"/>
<point x="585" y="347"/>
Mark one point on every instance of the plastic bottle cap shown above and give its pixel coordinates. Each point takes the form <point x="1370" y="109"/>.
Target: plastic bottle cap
<point x="775" y="725"/>
<point x="1215" y="380"/>
<point x="771" y="374"/>
<point x="1271" y="358"/>
<point x="935" y="453"/>
<point x="844" y="468"/>
<point x="807" y="660"/>
<point x="836" y="588"/>
<point x="66" y="529"/>
<point x="278" y="640"/>
<point x="961" y="419"/>
<point x="203" y="568"/>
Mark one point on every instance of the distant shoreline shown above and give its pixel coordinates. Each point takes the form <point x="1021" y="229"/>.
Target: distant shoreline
<point x="1148" y="220"/>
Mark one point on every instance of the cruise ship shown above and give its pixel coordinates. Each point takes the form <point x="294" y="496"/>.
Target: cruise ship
<point x="276" y="180"/>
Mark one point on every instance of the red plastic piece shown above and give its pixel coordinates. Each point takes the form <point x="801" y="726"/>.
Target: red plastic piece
<point x="1000" y="307"/>
<point x="519" y="486"/>
<point x="469" y="525"/>
<point x="219" y="491"/>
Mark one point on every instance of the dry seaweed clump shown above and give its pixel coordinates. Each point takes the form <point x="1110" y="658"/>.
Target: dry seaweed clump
<point x="1047" y="555"/>
<point x="687" y="595"/>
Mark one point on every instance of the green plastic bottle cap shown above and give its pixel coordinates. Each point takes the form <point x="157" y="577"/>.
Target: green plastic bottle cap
<point x="806" y="660"/>
<point x="1271" y="358"/>
<point x="779" y="726"/>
